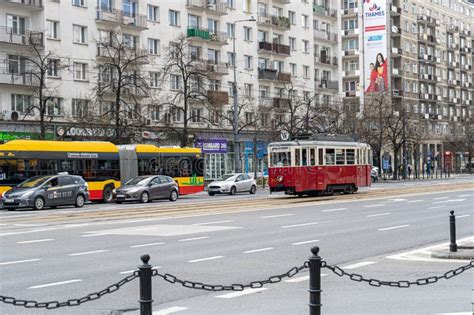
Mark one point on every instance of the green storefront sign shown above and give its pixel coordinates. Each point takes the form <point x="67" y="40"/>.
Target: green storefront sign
<point x="8" y="136"/>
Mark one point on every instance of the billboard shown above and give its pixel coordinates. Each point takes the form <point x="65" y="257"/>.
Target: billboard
<point x="375" y="19"/>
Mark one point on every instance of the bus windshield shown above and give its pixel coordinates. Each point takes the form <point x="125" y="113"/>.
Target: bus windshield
<point x="34" y="182"/>
<point x="279" y="159"/>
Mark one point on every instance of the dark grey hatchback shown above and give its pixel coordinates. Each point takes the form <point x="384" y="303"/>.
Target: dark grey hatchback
<point x="47" y="191"/>
<point x="147" y="188"/>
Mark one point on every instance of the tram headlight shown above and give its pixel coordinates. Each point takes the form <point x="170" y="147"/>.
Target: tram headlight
<point x="279" y="178"/>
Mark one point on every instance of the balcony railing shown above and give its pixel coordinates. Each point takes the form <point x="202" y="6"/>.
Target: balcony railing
<point x="217" y="68"/>
<point x="323" y="83"/>
<point x="267" y="74"/>
<point x="205" y="34"/>
<point x="36" y="4"/>
<point x="273" y="20"/>
<point x="121" y="17"/>
<point x="280" y="102"/>
<point x="140" y="54"/>
<point x="284" y="77"/>
<point x="322" y="10"/>
<point x="15" y="36"/>
<point x="276" y="48"/>
<point x="324" y="59"/>
<point x="217" y="8"/>
<point x="18" y="79"/>
<point x="325" y="35"/>
<point x="218" y="97"/>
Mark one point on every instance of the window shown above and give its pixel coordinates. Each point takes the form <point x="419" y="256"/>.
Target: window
<point x="231" y="59"/>
<point x="248" y="6"/>
<point x="79" y="3"/>
<point x="173" y="17"/>
<point x="154" y="79"/>
<point x="153" y="13"/>
<point x="330" y="157"/>
<point x="231" y="30"/>
<point x="293" y="69"/>
<point x="264" y="119"/>
<point x="196" y="115"/>
<point x="248" y="89"/>
<point x="16" y="64"/>
<point x="155" y="112"/>
<point x="340" y="156"/>
<point x="248" y="62"/>
<point x="80" y="108"/>
<point x="21" y="103"/>
<point x="79" y="34"/>
<point x="214" y="85"/>
<point x="304" y="21"/>
<point x="175" y="82"/>
<point x="80" y="71"/>
<point x="52" y="29"/>
<point x="247" y="33"/>
<point x="215" y="116"/>
<point x="153" y="46"/>
<point x="53" y="68"/>
<point x="306" y="72"/>
<point x="54" y="106"/>
<point x="231" y="4"/>
<point x="292" y="41"/>
<point x="292" y="17"/>
<point x="305" y="46"/>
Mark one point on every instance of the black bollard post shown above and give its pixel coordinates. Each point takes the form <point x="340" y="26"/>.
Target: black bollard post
<point x="145" y="286"/>
<point x="453" y="247"/>
<point x="315" y="282"/>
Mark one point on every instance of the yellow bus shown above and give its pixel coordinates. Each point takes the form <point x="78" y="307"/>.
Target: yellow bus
<point x="102" y="164"/>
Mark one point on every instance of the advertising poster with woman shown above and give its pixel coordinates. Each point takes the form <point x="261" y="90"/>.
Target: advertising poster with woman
<point x="375" y="46"/>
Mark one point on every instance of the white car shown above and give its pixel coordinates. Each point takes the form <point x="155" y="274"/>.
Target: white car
<point x="232" y="184"/>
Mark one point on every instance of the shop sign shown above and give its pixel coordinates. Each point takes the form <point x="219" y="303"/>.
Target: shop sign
<point x="8" y="136"/>
<point x="261" y="148"/>
<point x="84" y="132"/>
<point x="212" y="145"/>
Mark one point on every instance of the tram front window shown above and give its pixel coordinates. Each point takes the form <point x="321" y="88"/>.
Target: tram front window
<point x="280" y="159"/>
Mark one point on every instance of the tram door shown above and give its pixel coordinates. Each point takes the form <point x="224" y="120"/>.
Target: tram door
<point x="361" y="175"/>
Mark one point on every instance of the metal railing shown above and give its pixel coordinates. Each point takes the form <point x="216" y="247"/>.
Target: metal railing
<point x="30" y="3"/>
<point x="212" y="36"/>
<point x="218" y="8"/>
<point x="20" y="37"/>
<point x="121" y="17"/>
<point x="18" y="79"/>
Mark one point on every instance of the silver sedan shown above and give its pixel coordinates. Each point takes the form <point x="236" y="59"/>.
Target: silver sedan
<point x="147" y="188"/>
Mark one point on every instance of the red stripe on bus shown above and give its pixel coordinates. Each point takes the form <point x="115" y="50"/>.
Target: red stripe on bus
<point x="95" y="194"/>
<point x="186" y="190"/>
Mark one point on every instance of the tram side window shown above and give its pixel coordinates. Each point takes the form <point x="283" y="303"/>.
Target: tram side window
<point x="340" y="157"/>
<point x="321" y="156"/>
<point x="330" y="156"/>
<point x="304" y="157"/>
<point x="297" y="157"/>
<point x="312" y="157"/>
<point x="350" y="159"/>
<point x="279" y="159"/>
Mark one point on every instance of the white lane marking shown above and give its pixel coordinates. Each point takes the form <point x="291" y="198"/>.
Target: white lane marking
<point x="54" y="283"/>
<point x="193" y="239"/>
<point x="413" y="201"/>
<point x="377" y="214"/>
<point x="240" y="293"/>
<point x="336" y="209"/>
<point x="396" y="199"/>
<point x="93" y="235"/>
<point x="358" y="265"/>
<point x="18" y="261"/>
<point x="305" y="242"/>
<point x="298" y="225"/>
<point x="28" y="224"/>
<point x="257" y="250"/>
<point x="36" y="241"/>
<point x="457" y="313"/>
<point x="130" y="271"/>
<point x="450" y="200"/>
<point x="145" y="245"/>
<point x="204" y="259"/>
<point x="436" y="207"/>
<point x="210" y="223"/>
<point x="394" y="227"/>
<point x="88" y="253"/>
<point x="376" y="205"/>
<point x="277" y="216"/>
<point x="170" y="310"/>
<point x="464" y="196"/>
<point x="463" y="216"/>
<point x="439" y="198"/>
<point x="301" y="279"/>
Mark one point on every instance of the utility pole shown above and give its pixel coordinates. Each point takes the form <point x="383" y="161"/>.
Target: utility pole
<point x="405" y="162"/>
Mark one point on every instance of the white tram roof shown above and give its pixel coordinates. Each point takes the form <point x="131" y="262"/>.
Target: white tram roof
<point x="313" y="143"/>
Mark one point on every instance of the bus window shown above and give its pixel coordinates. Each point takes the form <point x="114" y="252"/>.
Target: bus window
<point x="297" y="157"/>
<point x="304" y="154"/>
<point x="312" y="157"/>
<point x="340" y="157"/>
<point x="320" y="156"/>
<point x="350" y="156"/>
<point x="330" y="156"/>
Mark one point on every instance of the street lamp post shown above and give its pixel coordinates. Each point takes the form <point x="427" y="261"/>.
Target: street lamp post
<point x="235" y="118"/>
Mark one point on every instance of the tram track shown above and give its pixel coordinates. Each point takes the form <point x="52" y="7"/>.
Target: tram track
<point x="226" y="206"/>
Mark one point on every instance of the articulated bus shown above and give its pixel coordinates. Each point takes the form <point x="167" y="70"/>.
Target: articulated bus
<point x="102" y="164"/>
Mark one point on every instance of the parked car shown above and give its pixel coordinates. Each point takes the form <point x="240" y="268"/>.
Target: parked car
<point x="47" y="191"/>
<point x="232" y="184"/>
<point x="147" y="188"/>
<point x="374" y="173"/>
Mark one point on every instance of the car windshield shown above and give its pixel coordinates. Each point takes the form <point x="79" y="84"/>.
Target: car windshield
<point x="226" y="177"/>
<point x="33" y="182"/>
<point x="139" y="181"/>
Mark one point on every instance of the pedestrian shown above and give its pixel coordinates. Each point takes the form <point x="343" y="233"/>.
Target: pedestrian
<point x="409" y="169"/>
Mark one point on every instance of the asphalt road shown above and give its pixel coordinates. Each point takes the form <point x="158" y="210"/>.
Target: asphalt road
<point x="45" y="260"/>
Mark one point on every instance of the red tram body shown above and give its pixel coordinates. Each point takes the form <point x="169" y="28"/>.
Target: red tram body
<point x="318" y="167"/>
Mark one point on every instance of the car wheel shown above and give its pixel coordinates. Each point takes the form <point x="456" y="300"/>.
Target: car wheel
<point x="107" y="194"/>
<point x="210" y="193"/>
<point x="79" y="201"/>
<point x="253" y="189"/>
<point x="144" y="197"/>
<point x="38" y="203"/>
<point x="232" y="190"/>
<point x="174" y="195"/>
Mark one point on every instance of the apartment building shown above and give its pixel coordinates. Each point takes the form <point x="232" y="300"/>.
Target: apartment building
<point x="430" y="65"/>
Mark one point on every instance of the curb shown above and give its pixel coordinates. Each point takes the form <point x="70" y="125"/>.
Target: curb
<point x="446" y="254"/>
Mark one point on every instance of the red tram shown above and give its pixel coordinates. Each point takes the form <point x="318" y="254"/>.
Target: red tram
<point x="317" y="167"/>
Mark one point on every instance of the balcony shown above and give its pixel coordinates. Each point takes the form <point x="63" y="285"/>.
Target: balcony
<point x="324" y="59"/>
<point x="114" y="16"/>
<point x="14" y="36"/>
<point x="452" y="29"/>
<point x="281" y="22"/>
<point x="350" y="93"/>
<point x="427" y="77"/>
<point x="204" y="34"/>
<point x="465" y="50"/>
<point x="349" y="12"/>
<point x="218" y="97"/>
<point x="423" y="18"/>
<point x="350" y="32"/>
<point x="27" y="4"/>
<point x="322" y="83"/>
<point x="284" y="77"/>
<point x="219" y="8"/>
<point x="265" y="102"/>
<point x="453" y="46"/>
<point x="282" y="1"/>
<point x="323" y="35"/>
<point x="394" y="10"/>
<point x="27" y="80"/>
<point x="267" y="74"/>
<point x="323" y="11"/>
<point x="465" y="32"/>
<point x="280" y="102"/>
<point x="396" y="72"/>
<point x="397" y="93"/>
<point x="274" y="48"/>
<point x="217" y="68"/>
<point x="396" y="51"/>
<point x="350" y="53"/>
<point x="351" y="73"/>
<point x="137" y="55"/>
<point x="430" y="39"/>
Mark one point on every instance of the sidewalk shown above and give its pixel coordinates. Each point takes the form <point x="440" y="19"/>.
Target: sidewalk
<point x="412" y="179"/>
<point x="465" y="251"/>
